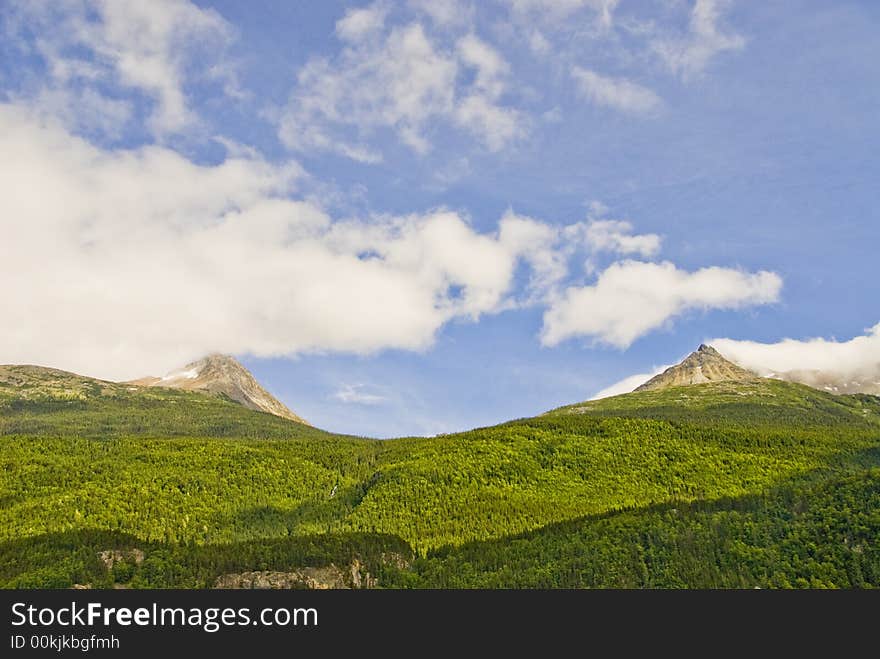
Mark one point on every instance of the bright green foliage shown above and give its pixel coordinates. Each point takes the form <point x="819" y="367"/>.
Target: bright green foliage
<point x="759" y="401"/>
<point x="202" y="484"/>
<point x="804" y="534"/>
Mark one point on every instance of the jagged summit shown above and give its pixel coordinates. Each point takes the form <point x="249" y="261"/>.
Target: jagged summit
<point x="705" y="364"/>
<point x="222" y="374"/>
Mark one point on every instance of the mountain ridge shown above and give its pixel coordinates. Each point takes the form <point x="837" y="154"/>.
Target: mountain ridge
<point x="222" y="374"/>
<point x="263" y="502"/>
<point x="214" y="375"/>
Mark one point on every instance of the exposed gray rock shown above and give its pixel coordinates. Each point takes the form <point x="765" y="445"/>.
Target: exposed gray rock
<point x="222" y="374"/>
<point x="703" y="365"/>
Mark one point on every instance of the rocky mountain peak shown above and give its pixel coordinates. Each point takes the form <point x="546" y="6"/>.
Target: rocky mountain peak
<point x="222" y="374"/>
<point x="705" y="364"/>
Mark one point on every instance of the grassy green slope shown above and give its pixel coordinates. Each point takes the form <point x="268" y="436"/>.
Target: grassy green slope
<point x="754" y="403"/>
<point x="170" y="468"/>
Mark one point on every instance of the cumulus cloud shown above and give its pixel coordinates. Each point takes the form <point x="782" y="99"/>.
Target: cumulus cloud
<point x="144" y="46"/>
<point x="617" y="236"/>
<point x="140" y="259"/>
<point x="544" y="246"/>
<point x="357" y="24"/>
<point x="549" y="249"/>
<point x="854" y="358"/>
<point x="400" y="79"/>
<point x="617" y="93"/>
<point x="690" y="54"/>
<point x="631" y="298"/>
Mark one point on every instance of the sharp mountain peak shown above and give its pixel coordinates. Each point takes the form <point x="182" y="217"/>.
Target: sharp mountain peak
<point x="223" y="374"/>
<point x="705" y="364"/>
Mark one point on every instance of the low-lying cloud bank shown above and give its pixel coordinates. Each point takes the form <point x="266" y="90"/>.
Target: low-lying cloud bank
<point x="855" y="358"/>
<point x="841" y="364"/>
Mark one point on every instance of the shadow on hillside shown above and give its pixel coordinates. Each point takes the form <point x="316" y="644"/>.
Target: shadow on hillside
<point x="806" y="529"/>
<point x="816" y="531"/>
<point x="61" y="560"/>
<point x="312" y="516"/>
<point x="850" y="465"/>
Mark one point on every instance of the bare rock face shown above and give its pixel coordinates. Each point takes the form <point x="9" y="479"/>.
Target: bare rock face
<point x="109" y="557"/>
<point x="222" y="374"/>
<point x="312" y="578"/>
<point x="703" y="365"/>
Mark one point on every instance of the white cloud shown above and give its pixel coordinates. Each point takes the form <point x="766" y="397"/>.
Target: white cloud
<point x="553" y="29"/>
<point x="144" y="46"/>
<point x="617" y="93"/>
<point x="479" y="111"/>
<point x="689" y="55"/>
<point x="84" y="110"/>
<point x="496" y="126"/>
<point x="631" y="298"/>
<point x="617" y="236"/>
<point x="839" y="362"/>
<point x="542" y="245"/>
<point x="549" y="248"/>
<point x="627" y="384"/>
<point x="490" y="66"/>
<point x="555" y="10"/>
<point x="139" y="260"/>
<point x="404" y="81"/>
<point x="601" y="236"/>
<point x="446" y="13"/>
<point x="355" y="393"/>
<point x="358" y="24"/>
<point x="847" y="359"/>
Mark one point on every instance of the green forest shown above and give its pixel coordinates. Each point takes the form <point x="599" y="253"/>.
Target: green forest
<point x="747" y="484"/>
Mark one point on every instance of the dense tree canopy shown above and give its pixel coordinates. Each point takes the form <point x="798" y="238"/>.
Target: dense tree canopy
<point x="767" y="484"/>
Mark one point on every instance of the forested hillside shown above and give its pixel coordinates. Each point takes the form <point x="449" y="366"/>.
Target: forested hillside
<point x="721" y="484"/>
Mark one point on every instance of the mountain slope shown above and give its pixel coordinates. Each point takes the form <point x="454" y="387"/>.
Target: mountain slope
<point x="703" y="365"/>
<point x="222" y="374"/>
<point x="803" y="534"/>
<point x="35" y="401"/>
<point x="26" y="382"/>
<point x="205" y="487"/>
<point x="730" y="405"/>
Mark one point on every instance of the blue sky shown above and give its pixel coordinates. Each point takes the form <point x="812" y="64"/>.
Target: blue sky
<point x="418" y="217"/>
